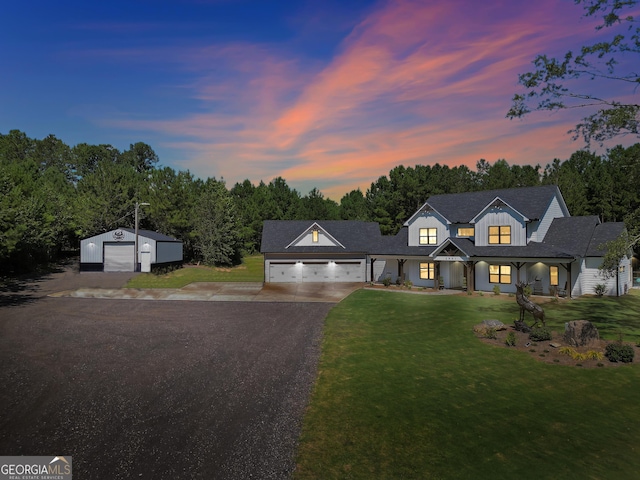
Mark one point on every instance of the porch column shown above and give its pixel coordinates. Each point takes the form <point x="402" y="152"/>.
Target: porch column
<point x="373" y="260"/>
<point x="401" y="263"/>
<point x="471" y="276"/>
<point x="518" y="266"/>
<point x="567" y="267"/>
<point x="436" y="275"/>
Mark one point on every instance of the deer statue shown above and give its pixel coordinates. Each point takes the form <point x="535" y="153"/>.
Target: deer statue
<point x="526" y="304"/>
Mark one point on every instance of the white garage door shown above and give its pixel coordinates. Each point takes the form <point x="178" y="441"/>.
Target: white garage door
<point x="118" y="257"/>
<point x="285" y="272"/>
<point x="349" y="272"/>
<point x="316" y="272"/>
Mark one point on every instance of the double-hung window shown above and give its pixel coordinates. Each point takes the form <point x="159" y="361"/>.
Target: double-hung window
<point x="427" y="271"/>
<point x="428" y="236"/>
<point x="499" y="274"/>
<point x="553" y="276"/>
<point x="500" y="235"/>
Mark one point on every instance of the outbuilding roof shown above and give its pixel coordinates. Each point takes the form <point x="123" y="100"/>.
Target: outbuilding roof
<point x="158" y="237"/>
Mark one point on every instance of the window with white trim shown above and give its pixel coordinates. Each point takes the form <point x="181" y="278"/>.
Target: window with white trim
<point x="499" y="274"/>
<point x="427" y="271"/>
<point x="500" y="235"/>
<point x="428" y="236"/>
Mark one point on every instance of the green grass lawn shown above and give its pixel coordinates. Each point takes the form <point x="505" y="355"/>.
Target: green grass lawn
<point x="251" y="270"/>
<point x="406" y="391"/>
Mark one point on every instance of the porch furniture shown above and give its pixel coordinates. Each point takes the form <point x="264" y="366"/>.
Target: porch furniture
<point x="537" y="287"/>
<point x="562" y="292"/>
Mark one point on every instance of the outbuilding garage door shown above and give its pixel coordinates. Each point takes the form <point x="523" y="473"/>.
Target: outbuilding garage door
<point x="316" y="272"/>
<point x="118" y="257"/>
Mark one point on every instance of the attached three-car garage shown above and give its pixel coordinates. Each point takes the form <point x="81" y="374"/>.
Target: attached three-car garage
<point x="327" y="251"/>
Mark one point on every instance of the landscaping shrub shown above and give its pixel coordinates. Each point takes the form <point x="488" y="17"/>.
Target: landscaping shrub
<point x="595" y="355"/>
<point x="618" y="352"/>
<point x="510" y="341"/>
<point x="540" y="334"/>
<point x="408" y="284"/>
<point x="496" y="289"/>
<point x="387" y="281"/>
<point x="491" y="333"/>
<point x="600" y="289"/>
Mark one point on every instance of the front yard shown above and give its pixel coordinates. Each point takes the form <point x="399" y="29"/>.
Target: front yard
<point x="406" y="390"/>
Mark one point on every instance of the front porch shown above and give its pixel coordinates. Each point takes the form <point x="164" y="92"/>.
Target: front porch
<point x="546" y="278"/>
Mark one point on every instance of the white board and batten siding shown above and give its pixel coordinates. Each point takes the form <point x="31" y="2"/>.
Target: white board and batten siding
<point x="427" y="220"/>
<point x="500" y="217"/>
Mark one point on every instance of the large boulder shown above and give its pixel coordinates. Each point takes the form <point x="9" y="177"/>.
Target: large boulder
<point x="486" y="325"/>
<point x="581" y="333"/>
<point x="495" y="324"/>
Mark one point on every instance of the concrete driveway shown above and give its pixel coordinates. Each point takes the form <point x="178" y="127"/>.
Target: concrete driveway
<point x="221" y="292"/>
<point x="156" y="389"/>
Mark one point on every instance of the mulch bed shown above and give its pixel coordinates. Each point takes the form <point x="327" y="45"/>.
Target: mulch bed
<point x="544" y="352"/>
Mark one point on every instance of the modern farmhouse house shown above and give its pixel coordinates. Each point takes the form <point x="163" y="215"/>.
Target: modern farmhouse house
<point x="472" y="241"/>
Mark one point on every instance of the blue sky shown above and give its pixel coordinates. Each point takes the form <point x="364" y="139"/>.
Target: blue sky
<point x="329" y="94"/>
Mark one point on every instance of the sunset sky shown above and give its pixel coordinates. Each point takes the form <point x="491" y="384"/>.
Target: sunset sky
<point x="325" y="93"/>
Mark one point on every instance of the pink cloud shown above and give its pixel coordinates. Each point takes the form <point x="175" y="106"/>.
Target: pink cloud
<point x="412" y="83"/>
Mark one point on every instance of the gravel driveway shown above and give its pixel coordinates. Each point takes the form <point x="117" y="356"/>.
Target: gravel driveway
<point x="157" y="389"/>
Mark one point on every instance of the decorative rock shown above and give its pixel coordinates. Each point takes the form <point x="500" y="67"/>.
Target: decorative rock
<point x="555" y="345"/>
<point x="521" y="326"/>
<point x="495" y="324"/>
<point x="581" y="333"/>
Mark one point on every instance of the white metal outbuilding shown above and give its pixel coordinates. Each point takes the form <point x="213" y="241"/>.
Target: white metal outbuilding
<point x="114" y="251"/>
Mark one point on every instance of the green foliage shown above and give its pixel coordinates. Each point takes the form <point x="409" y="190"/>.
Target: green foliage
<point x="217" y="241"/>
<point x="540" y="334"/>
<point x="510" y="340"/>
<point x="600" y="289"/>
<point x="557" y="83"/>
<point x="65" y="194"/>
<point x="386" y="281"/>
<point x="251" y="270"/>
<point x="496" y="289"/>
<point x="619" y="352"/>
<point x="491" y="333"/>
<point x="408" y="284"/>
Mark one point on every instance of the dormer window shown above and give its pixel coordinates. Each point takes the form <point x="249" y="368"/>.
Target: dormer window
<point x="500" y="235"/>
<point x="466" y="232"/>
<point x="428" y="236"/>
<point x="314" y="236"/>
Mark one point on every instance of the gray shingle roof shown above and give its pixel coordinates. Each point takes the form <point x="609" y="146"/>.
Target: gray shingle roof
<point x="355" y="236"/>
<point x="571" y="234"/>
<point x="603" y="233"/>
<point x="463" y="207"/>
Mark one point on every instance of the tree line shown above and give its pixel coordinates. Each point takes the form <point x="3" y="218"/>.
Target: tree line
<point x="52" y="195"/>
